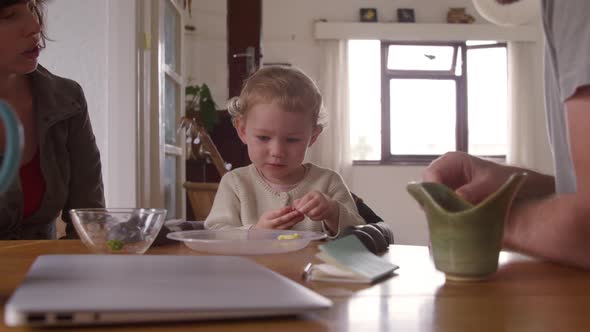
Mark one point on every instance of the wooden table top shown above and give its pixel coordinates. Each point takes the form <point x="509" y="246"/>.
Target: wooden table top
<point x="524" y="295"/>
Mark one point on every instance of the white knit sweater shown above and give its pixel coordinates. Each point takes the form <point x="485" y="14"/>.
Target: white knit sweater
<point x="243" y="196"/>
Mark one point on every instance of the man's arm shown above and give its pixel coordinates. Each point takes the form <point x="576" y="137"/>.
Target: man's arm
<point x="578" y="121"/>
<point x="558" y="228"/>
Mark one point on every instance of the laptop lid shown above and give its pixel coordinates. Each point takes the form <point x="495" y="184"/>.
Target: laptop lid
<point x="102" y="289"/>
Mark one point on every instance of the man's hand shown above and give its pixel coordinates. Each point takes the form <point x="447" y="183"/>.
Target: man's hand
<point x="472" y="178"/>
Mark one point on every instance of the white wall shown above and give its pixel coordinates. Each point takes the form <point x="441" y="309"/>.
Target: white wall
<point x="206" y="48"/>
<point x="122" y="108"/>
<point x="94" y="44"/>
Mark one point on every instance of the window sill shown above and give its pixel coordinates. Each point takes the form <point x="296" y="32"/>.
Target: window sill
<point x="425" y="31"/>
<point x="388" y="163"/>
<point x="417" y="161"/>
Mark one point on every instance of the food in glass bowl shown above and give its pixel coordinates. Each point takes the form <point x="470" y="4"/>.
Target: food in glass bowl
<point x="118" y="231"/>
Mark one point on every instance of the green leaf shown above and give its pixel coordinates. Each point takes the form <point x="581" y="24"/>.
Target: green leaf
<point x="208" y="108"/>
<point x="115" y="245"/>
<point x="192" y="90"/>
<point x="199" y="99"/>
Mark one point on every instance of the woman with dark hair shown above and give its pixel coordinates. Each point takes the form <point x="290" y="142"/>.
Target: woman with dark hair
<point x="61" y="168"/>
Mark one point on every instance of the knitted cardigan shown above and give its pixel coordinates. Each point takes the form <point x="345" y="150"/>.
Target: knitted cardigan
<point x="243" y="196"/>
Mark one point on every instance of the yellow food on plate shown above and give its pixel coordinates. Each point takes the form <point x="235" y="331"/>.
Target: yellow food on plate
<point x="288" y="236"/>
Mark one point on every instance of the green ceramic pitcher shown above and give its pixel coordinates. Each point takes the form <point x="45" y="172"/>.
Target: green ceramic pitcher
<point x="465" y="239"/>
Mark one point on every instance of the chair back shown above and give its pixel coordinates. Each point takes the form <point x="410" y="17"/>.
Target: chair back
<point x="201" y="197"/>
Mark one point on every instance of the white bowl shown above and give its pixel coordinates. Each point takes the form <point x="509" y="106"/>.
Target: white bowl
<point x="244" y="242"/>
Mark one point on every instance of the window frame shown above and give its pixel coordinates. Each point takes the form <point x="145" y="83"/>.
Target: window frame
<point x="460" y="49"/>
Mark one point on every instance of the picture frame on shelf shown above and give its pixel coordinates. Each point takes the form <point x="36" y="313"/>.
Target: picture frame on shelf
<point x="368" y="15"/>
<point x="406" y="15"/>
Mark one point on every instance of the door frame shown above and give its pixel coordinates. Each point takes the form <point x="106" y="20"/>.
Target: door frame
<point x="151" y="74"/>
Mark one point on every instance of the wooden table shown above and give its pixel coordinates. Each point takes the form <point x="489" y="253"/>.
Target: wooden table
<point x="525" y="295"/>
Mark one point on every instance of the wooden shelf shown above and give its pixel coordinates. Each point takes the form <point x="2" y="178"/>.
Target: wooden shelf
<point x="425" y="31"/>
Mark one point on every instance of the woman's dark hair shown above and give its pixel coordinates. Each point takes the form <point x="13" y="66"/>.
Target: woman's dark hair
<point x="38" y="8"/>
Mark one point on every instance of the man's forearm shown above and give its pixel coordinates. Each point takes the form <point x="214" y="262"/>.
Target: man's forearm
<point x="536" y="185"/>
<point x="555" y="228"/>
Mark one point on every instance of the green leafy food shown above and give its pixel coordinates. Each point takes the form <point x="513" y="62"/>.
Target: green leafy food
<point x="115" y="245"/>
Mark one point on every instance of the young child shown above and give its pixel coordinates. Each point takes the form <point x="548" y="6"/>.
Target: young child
<point x="277" y="115"/>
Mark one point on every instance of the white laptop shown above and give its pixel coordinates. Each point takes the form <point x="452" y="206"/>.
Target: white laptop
<point x="105" y="289"/>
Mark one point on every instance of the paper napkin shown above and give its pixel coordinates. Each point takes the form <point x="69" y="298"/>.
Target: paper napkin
<point x="348" y="260"/>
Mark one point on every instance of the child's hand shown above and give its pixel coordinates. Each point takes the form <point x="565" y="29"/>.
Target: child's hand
<point x="283" y="218"/>
<point x="317" y="207"/>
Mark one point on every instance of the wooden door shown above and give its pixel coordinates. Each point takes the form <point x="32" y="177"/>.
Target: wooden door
<point x="244" y="22"/>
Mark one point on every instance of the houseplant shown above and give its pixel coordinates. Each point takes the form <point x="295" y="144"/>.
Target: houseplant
<point x="200" y="106"/>
<point x="199" y="119"/>
<point x="200" y="113"/>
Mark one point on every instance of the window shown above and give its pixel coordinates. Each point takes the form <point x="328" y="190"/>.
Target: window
<point x="427" y="99"/>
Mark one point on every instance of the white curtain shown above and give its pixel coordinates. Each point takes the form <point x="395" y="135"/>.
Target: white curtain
<point x="332" y="150"/>
<point x="526" y="120"/>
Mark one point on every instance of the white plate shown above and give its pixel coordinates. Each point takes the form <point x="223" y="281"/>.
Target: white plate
<point x="243" y="241"/>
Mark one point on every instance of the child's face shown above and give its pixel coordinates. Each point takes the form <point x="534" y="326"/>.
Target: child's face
<point x="277" y="140"/>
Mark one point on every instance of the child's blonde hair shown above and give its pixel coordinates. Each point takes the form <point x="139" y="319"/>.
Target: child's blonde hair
<point x="291" y="88"/>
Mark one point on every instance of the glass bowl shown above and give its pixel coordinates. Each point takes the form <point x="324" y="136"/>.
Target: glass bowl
<point x="246" y="242"/>
<point x="118" y="231"/>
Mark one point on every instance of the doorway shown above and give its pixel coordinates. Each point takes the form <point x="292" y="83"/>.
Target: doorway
<point x="222" y="55"/>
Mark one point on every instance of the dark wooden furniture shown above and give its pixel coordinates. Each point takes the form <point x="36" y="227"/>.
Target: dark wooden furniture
<point x="231" y="149"/>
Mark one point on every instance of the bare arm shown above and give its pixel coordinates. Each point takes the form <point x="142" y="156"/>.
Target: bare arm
<point x="558" y="228"/>
<point x="536" y="186"/>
